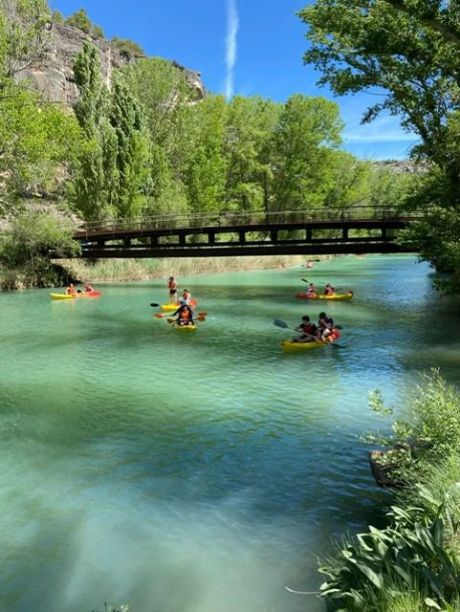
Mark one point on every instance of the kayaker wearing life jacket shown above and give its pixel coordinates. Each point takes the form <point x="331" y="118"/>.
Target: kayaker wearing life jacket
<point x="308" y="329"/>
<point x="184" y="315"/>
<point x="311" y="290"/>
<point x="329" y="289"/>
<point x="71" y="290"/>
<point x="172" y="287"/>
<point x="325" y="324"/>
<point x="186" y="298"/>
<point x="331" y="335"/>
<point x="88" y="288"/>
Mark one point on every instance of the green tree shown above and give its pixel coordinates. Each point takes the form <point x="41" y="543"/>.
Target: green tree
<point x="250" y="124"/>
<point x="304" y="135"/>
<point x="80" y="19"/>
<point x="162" y="91"/>
<point x="133" y="151"/>
<point x="24" y="34"/>
<point x="351" y="183"/>
<point x="205" y="165"/>
<point x="127" y="48"/>
<point x="409" y="52"/>
<point x="95" y="178"/>
<point x="57" y="17"/>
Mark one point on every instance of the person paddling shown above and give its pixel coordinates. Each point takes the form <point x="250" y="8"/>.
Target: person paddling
<point x="71" y="290"/>
<point x="184" y="315"/>
<point x="325" y="324"/>
<point x="308" y="329"/>
<point x="186" y="298"/>
<point x="88" y="288"/>
<point x="329" y="289"/>
<point x="310" y="291"/>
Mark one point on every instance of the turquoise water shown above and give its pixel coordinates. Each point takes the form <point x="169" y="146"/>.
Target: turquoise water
<point x="199" y="472"/>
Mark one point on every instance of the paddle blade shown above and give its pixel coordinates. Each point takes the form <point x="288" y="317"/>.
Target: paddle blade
<point x="171" y="320"/>
<point x="159" y="315"/>
<point x="280" y="323"/>
<point x="200" y="317"/>
<point x="202" y="313"/>
<point x="154" y="305"/>
<point x="304" y="280"/>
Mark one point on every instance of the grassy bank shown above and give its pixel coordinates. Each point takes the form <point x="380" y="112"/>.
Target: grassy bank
<point x="413" y="564"/>
<point x="119" y="270"/>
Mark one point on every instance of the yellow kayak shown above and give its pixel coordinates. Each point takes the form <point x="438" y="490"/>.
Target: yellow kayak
<point x="288" y="345"/>
<point x="62" y="296"/>
<point x="318" y="296"/>
<point x="169" y="307"/>
<point x="185" y="328"/>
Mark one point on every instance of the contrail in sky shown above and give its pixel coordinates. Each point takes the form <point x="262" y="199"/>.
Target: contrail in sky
<point x="233" y="24"/>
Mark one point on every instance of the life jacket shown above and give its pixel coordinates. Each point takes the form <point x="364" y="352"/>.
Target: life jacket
<point x="185" y="314"/>
<point x="172" y="285"/>
<point x="334" y="335"/>
<point x="309" y="328"/>
<point x="326" y="323"/>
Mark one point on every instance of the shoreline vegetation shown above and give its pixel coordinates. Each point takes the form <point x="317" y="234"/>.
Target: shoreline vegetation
<point x="413" y="564"/>
<point x="122" y="270"/>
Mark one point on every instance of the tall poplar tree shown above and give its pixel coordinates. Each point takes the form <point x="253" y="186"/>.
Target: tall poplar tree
<point x="94" y="185"/>
<point x="133" y="151"/>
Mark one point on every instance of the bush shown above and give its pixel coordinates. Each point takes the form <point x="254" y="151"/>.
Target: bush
<point x="430" y="431"/>
<point x="414" y="563"/>
<point x="24" y="253"/>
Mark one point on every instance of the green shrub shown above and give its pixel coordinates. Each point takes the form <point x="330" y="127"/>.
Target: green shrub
<point x="25" y="251"/>
<point x="430" y="430"/>
<point x="382" y="565"/>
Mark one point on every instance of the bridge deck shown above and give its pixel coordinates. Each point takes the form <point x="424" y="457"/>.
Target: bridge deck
<point x="291" y="233"/>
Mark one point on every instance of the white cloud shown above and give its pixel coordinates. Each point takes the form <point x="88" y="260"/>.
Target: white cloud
<point x="233" y="24"/>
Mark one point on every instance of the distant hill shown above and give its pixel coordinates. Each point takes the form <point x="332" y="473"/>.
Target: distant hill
<point x="400" y="166"/>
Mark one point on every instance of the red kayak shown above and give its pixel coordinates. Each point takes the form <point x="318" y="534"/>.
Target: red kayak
<point x="89" y="294"/>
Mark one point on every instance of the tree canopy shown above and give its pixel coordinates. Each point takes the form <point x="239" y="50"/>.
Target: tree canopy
<point x="407" y="52"/>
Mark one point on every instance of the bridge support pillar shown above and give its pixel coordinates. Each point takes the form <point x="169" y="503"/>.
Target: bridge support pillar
<point x="126" y="242"/>
<point x="274" y="236"/>
<point x="211" y="237"/>
<point x="309" y="234"/>
<point x="345" y="233"/>
<point x="242" y="236"/>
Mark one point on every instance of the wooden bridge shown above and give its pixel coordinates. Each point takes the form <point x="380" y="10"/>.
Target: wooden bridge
<point x="355" y="230"/>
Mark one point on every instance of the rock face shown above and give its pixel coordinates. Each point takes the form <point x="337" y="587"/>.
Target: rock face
<point x="53" y="75"/>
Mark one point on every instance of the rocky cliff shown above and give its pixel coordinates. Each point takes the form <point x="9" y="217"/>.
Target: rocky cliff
<point x="53" y="74"/>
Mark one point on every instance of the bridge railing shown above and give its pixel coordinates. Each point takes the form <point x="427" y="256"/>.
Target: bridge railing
<point x="231" y="219"/>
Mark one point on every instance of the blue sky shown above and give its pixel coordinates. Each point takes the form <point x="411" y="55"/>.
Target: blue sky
<point x="244" y="47"/>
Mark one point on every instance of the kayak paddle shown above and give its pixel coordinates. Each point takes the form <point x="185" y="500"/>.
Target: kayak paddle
<point x="154" y="305"/>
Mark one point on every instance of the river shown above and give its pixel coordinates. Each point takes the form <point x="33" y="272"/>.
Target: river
<point x="200" y="472"/>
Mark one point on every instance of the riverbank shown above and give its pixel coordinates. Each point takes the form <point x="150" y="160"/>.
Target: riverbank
<point x="412" y="564"/>
<point x="123" y="270"/>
